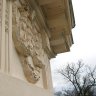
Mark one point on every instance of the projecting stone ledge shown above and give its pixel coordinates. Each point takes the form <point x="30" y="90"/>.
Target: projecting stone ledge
<point x="59" y="18"/>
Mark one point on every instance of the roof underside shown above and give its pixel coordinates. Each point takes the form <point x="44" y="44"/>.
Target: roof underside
<point x="60" y="20"/>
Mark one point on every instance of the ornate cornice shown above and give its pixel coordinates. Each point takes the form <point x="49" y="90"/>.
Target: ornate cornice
<point x="59" y="18"/>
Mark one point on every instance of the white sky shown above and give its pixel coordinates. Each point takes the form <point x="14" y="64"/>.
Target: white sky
<point x="84" y="35"/>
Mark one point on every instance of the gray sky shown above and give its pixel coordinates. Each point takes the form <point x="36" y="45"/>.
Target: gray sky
<point x="84" y="35"/>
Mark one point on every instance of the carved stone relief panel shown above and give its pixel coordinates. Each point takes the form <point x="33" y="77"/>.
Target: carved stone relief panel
<point x="27" y="39"/>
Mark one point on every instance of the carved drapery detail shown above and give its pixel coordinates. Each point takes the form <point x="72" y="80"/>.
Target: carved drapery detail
<point x="27" y="40"/>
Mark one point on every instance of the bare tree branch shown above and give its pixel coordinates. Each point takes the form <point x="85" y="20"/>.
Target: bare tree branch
<point x="82" y="84"/>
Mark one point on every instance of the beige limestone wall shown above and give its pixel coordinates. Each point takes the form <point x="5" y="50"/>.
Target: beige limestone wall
<point x="15" y="65"/>
<point x="10" y="63"/>
<point x="16" y="69"/>
<point x="10" y="86"/>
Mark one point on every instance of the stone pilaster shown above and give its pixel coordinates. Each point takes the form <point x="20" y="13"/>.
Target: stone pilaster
<point x="0" y="28"/>
<point x="5" y="34"/>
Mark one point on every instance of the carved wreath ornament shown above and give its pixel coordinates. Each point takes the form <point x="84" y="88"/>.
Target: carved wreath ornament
<point x="27" y="41"/>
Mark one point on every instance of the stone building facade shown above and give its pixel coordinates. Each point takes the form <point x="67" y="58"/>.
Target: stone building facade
<point x="31" y="33"/>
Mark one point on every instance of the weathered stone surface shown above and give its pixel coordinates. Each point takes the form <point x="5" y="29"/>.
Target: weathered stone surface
<point x="31" y="33"/>
<point x="28" y="40"/>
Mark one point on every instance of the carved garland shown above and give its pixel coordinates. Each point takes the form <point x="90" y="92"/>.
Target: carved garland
<point x="27" y="41"/>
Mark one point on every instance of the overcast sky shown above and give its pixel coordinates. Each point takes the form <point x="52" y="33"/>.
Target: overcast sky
<point x="84" y="35"/>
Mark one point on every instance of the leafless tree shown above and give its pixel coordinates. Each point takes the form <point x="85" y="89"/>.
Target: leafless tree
<point x="59" y="93"/>
<point x="82" y="78"/>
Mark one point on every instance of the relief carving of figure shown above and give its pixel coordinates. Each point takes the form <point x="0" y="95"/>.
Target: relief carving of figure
<point x="27" y="41"/>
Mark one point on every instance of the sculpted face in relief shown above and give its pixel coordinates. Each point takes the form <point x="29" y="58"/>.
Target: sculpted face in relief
<point x="27" y="40"/>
